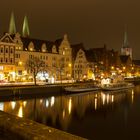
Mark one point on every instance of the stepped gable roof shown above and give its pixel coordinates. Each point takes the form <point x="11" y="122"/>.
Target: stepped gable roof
<point x="90" y="55"/>
<point x="124" y="58"/>
<point x="76" y="48"/>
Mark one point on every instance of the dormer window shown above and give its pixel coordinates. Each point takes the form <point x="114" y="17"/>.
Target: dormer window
<point x="31" y="46"/>
<point x="54" y="49"/>
<point x="44" y="48"/>
<point x="6" y="39"/>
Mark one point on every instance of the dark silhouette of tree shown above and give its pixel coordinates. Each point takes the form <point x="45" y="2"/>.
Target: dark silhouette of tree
<point x="35" y="65"/>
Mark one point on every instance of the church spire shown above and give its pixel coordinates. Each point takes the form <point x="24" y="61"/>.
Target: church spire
<point x="12" y="25"/>
<point x="126" y="50"/>
<point x="25" y="28"/>
<point x="125" y="43"/>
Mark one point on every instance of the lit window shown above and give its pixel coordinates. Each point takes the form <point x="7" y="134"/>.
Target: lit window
<point x="1" y="60"/>
<point x="1" y="67"/>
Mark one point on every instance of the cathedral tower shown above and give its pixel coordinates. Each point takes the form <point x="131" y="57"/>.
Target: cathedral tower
<point x="126" y="50"/>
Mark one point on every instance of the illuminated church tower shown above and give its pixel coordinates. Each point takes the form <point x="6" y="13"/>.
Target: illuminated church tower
<point x="12" y="25"/>
<point x="25" y="28"/>
<point x="126" y="50"/>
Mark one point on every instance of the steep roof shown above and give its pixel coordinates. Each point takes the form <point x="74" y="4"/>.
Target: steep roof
<point x="91" y="55"/>
<point x="124" y="58"/>
<point x="76" y="48"/>
<point x="37" y="43"/>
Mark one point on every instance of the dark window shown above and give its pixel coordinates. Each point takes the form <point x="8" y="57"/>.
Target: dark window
<point x="6" y="50"/>
<point x="1" y="60"/>
<point x="1" y="50"/>
<point x="30" y="56"/>
<point x="20" y="72"/>
<point x="16" y="55"/>
<point x="11" y="50"/>
<point x="6" y="60"/>
<point x="11" y="60"/>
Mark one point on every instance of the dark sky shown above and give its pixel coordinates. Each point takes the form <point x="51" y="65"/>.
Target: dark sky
<point x="93" y="22"/>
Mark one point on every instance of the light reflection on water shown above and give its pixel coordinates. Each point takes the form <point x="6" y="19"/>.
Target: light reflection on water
<point x="80" y="114"/>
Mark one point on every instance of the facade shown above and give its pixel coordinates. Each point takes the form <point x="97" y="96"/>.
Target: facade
<point x="80" y="66"/>
<point x="62" y="60"/>
<point x="15" y="51"/>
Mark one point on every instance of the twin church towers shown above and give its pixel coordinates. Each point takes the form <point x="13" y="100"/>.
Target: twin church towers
<point x="125" y="49"/>
<point x="25" y="27"/>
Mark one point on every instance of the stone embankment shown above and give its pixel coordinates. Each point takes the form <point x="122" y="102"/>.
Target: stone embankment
<point x="10" y="91"/>
<point x="26" y="90"/>
<point x="12" y="127"/>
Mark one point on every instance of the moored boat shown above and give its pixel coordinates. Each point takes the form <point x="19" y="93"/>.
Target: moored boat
<point x="78" y="89"/>
<point x="116" y="86"/>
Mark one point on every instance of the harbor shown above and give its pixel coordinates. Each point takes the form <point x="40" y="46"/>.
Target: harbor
<point x="56" y="109"/>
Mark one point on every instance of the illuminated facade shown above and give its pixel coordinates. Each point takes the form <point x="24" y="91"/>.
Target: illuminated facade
<point x="16" y="50"/>
<point x="80" y="65"/>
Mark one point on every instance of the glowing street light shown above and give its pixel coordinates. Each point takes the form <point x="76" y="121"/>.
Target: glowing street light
<point x="70" y="65"/>
<point x="20" y="63"/>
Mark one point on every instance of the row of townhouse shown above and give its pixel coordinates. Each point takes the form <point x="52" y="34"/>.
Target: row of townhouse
<point x="62" y="60"/>
<point x="15" y="51"/>
<point x="96" y="63"/>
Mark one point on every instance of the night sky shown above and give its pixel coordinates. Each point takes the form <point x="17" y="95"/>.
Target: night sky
<point x="93" y="22"/>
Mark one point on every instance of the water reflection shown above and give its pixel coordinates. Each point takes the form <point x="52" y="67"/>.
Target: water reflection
<point x="61" y="111"/>
<point x="20" y="112"/>
<point x="70" y="105"/>
<point x="1" y="106"/>
<point x="13" y="104"/>
<point x="132" y="95"/>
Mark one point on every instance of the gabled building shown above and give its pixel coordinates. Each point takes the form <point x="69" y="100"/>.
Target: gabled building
<point x="16" y="50"/>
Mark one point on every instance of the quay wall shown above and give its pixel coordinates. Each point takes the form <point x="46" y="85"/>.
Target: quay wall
<point x="26" y="90"/>
<point x="12" y="127"/>
<point x="15" y="91"/>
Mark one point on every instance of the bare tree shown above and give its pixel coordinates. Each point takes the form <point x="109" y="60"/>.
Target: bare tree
<point x="35" y="65"/>
<point x="59" y="68"/>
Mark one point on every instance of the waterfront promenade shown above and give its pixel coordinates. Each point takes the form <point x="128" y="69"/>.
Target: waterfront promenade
<point x="20" y="128"/>
<point x="13" y="127"/>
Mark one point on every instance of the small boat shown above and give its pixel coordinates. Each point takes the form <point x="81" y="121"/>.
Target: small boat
<point x="78" y="89"/>
<point x="116" y="86"/>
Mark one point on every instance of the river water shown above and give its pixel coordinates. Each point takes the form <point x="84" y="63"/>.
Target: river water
<point x="93" y="115"/>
